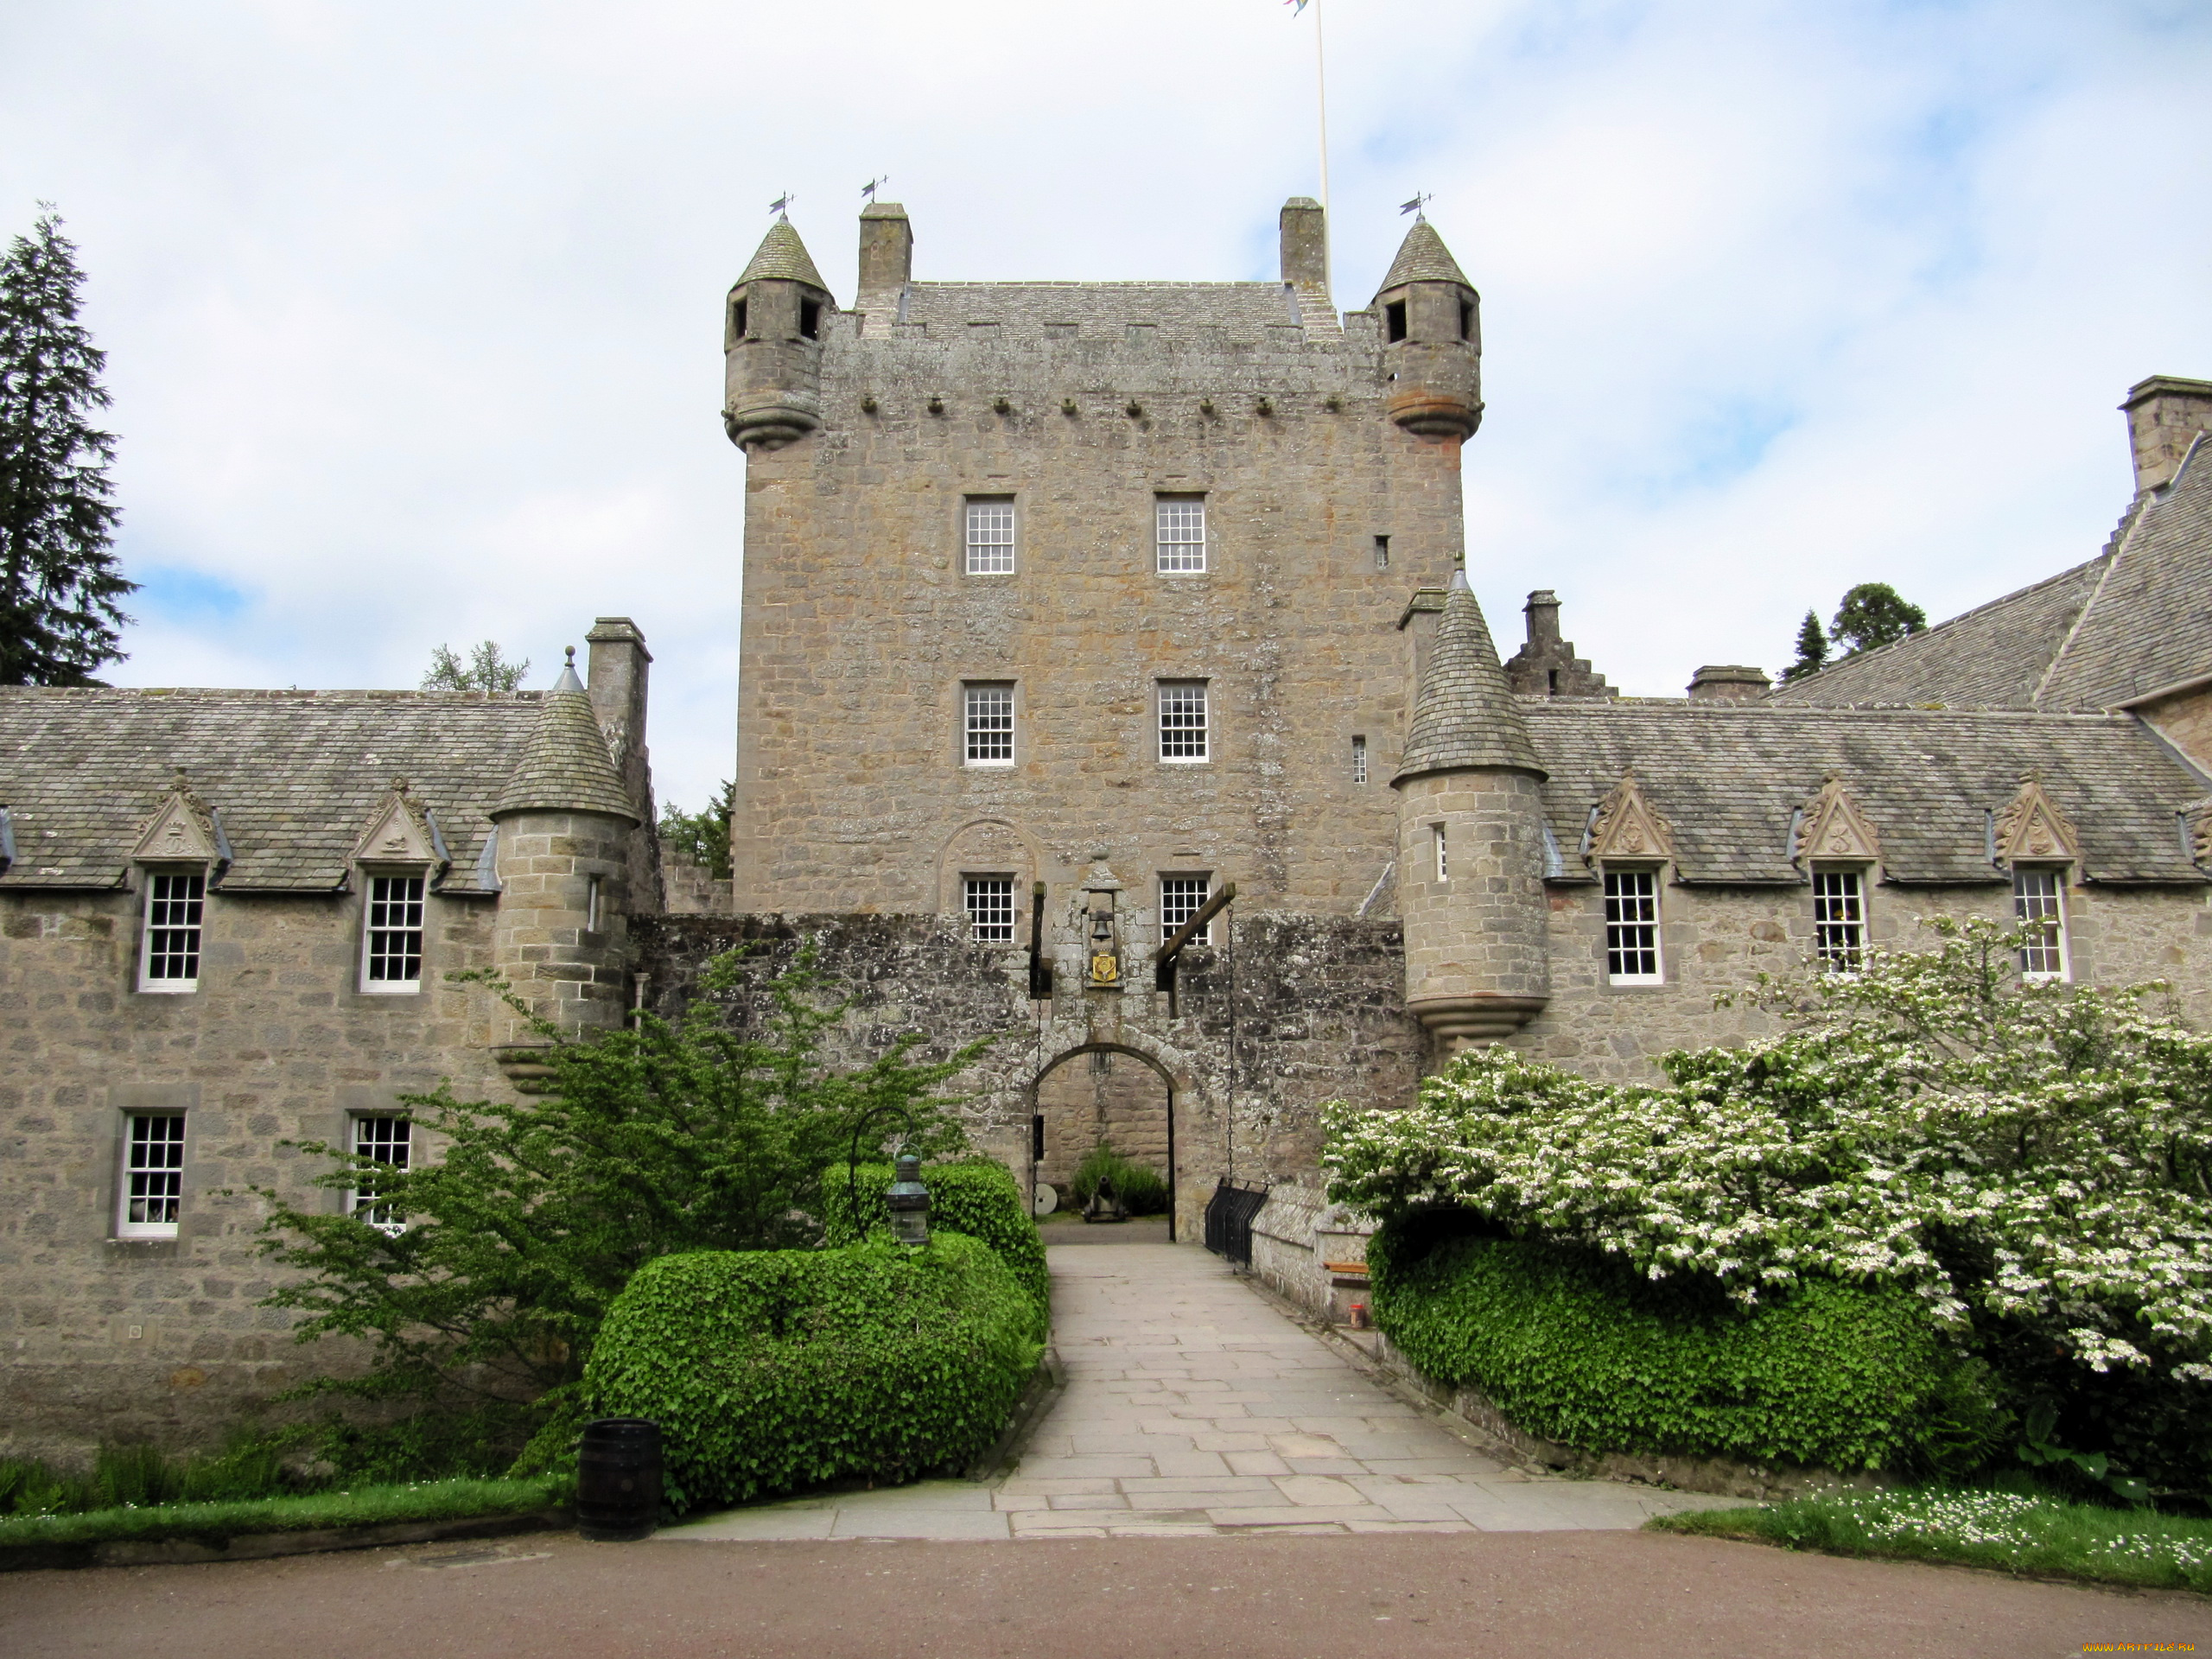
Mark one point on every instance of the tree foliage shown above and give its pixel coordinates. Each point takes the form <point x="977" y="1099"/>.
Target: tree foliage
<point x="485" y="670"/>
<point x="60" y="584"/>
<point x="703" y="837"/>
<point x="1812" y="650"/>
<point x="1873" y="614"/>
<point x="675" y="1136"/>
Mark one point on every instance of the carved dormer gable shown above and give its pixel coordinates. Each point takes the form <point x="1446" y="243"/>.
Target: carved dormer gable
<point x="2032" y="827"/>
<point x="1831" y="826"/>
<point x="181" y="830"/>
<point x="399" y="833"/>
<point x="1628" y="827"/>
<point x="2197" y="826"/>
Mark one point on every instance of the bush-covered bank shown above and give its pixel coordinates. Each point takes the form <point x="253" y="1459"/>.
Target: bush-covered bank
<point x="1574" y="1348"/>
<point x="976" y="1196"/>
<point x="2015" y="1531"/>
<point x="2031" y="1164"/>
<point x="773" y="1371"/>
<point x="1139" y="1187"/>
<point x="365" y="1506"/>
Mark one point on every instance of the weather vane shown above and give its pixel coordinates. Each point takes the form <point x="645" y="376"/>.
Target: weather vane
<point x="1414" y="206"/>
<point x="782" y="204"/>
<point x="868" y="189"/>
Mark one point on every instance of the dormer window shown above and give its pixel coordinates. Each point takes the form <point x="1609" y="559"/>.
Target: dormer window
<point x="1394" y="321"/>
<point x="391" y="934"/>
<point x="810" y="319"/>
<point x="1632" y="927"/>
<point x="1839" y="920"/>
<point x="169" y="948"/>
<point x="2039" y="906"/>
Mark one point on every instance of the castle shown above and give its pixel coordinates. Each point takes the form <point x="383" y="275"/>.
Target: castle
<point x="1069" y="608"/>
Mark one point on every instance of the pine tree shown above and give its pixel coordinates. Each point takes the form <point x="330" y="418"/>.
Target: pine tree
<point x="58" y="581"/>
<point x="485" y="670"/>
<point x="1812" y="650"/>
<point x="1873" y="614"/>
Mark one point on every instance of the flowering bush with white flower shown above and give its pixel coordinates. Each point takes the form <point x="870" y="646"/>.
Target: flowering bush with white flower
<point x="2033" y="1161"/>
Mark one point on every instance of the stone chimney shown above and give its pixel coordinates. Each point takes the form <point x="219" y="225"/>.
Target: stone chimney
<point x="886" y="256"/>
<point x="2164" y="415"/>
<point x="1729" y="683"/>
<point x="1547" y="666"/>
<point x="1305" y="245"/>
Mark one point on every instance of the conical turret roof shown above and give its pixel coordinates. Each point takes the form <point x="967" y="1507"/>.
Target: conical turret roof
<point x="782" y="254"/>
<point x="565" y="767"/>
<point x="1422" y="257"/>
<point x="1464" y="713"/>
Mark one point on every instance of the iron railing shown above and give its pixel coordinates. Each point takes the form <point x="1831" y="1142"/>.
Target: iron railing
<point x="1230" y="1214"/>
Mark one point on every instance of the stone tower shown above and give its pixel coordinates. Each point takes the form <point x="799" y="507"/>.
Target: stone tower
<point x="1471" y="842"/>
<point x="1076" y="505"/>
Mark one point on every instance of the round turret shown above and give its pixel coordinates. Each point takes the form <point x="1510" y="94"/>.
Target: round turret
<point x="772" y="328"/>
<point x="1432" y="338"/>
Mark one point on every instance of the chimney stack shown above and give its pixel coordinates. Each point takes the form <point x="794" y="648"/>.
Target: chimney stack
<point x="886" y="255"/>
<point x="2164" y="415"/>
<point x="1306" y="247"/>
<point x="1729" y="683"/>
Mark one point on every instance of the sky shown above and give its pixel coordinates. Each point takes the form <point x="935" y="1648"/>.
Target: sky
<point x="412" y="311"/>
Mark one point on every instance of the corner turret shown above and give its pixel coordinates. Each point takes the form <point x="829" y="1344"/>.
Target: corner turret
<point x="772" y="344"/>
<point x="1471" y="842"/>
<point x="1432" y="338"/>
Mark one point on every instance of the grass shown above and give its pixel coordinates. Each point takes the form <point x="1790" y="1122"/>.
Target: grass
<point x="364" y="1506"/>
<point x="2015" y="1531"/>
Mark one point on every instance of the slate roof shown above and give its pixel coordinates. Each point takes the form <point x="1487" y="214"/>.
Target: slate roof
<point x="2135" y="620"/>
<point x="781" y="254"/>
<point x="1729" y="776"/>
<point x="1422" y="257"/>
<point x="294" y="776"/>
<point x="1103" y="309"/>
<point x="564" y="766"/>
<point x="2149" y="625"/>
<point x="1464" y="713"/>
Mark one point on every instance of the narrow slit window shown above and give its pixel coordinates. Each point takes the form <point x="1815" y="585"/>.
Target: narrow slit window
<point x="389" y="1141"/>
<point x="153" y="1176"/>
<point x="1179" y="523"/>
<point x="988" y="726"/>
<point x="1443" y="852"/>
<point x="391" y="941"/>
<point x="593" y="915"/>
<point x="1183" y="737"/>
<point x="2039" y="905"/>
<point x="990" y="908"/>
<point x="1839" y="921"/>
<point x="1466" y="321"/>
<point x="990" y="537"/>
<point x="1381" y="552"/>
<point x="737" y="320"/>
<point x="1632" y="927"/>
<point x="1359" y="760"/>
<point x="175" y="907"/>
<point x="1182" y="897"/>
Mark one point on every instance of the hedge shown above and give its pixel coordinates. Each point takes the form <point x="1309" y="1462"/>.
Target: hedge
<point x="977" y="1196"/>
<point x="771" y="1371"/>
<point x="1574" y="1348"/>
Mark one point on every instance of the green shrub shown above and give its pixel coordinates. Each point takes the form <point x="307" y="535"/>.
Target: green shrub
<point x="977" y="1196"/>
<point x="1580" y="1349"/>
<point x="771" y="1371"/>
<point x="1139" y="1187"/>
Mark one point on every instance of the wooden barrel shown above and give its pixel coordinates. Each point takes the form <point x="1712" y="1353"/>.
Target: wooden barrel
<point x="617" y="1479"/>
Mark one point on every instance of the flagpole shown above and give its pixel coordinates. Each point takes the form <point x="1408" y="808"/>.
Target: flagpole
<point x="1321" y="123"/>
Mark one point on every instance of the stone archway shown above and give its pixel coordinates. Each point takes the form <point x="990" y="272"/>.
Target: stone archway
<point x="1104" y="1091"/>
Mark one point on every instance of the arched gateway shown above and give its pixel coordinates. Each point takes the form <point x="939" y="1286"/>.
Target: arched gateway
<point x="1103" y="1092"/>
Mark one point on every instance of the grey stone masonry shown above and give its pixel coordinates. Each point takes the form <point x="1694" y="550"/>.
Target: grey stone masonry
<point x="1546" y="666"/>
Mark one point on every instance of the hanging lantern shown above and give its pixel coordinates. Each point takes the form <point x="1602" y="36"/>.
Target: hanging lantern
<point x="908" y="1201"/>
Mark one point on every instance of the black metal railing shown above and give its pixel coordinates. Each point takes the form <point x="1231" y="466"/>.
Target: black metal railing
<point x="1229" y="1215"/>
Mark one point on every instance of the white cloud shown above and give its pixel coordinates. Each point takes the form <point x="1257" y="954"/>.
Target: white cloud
<point x="412" y="309"/>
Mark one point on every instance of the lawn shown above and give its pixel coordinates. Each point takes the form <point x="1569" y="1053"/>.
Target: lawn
<point x="364" y="1506"/>
<point x="2011" y="1530"/>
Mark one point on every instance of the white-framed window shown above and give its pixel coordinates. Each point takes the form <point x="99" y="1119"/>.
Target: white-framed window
<point x="1182" y="897"/>
<point x="1632" y="927"/>
<point x="1184" y="738"/>
<point x="1179" y="530"/>
<point x="989" y="529"/>
<point x="169" y="954"/>
<point x="989" y="899"/>
<point x="1359" y="760"/>
<point x="2039" y="906"/>
<point x="153" y="1176"/>
<point x="390" y="1140"/>
<point x="1839" y="920"/>
<point x="1443" y="852"/>
<point x="391" y="934"/>
<point x="986" y="724"/>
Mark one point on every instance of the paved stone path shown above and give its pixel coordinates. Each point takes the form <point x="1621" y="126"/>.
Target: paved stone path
<point x="1194" y="1408"/>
